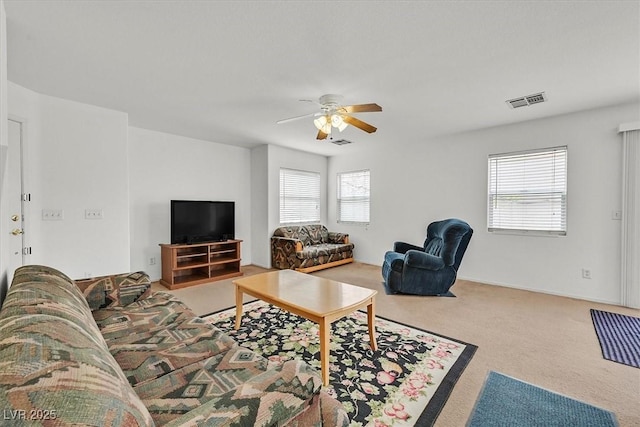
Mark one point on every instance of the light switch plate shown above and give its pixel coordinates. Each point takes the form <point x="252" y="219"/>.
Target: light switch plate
<point x="52" y="214"/>
<point x="93" y="214"/>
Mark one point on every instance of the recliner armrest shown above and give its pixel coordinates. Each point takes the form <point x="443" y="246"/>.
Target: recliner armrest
<point x="420" y="259"/>
<point x="403" y="247"/>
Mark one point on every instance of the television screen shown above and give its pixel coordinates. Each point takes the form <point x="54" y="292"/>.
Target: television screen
<point x="196" y="221"/>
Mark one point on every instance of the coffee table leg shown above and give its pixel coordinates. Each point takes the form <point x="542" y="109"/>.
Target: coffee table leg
<point x="238" y="306"/>
<point x="325" y="332"/>
<point x="372" y="324"/>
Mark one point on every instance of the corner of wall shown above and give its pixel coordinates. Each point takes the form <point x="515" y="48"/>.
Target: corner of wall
<point x="4" y="249"/>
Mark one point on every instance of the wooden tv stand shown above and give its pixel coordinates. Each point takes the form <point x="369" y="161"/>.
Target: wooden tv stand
<point x="187" y="265"/>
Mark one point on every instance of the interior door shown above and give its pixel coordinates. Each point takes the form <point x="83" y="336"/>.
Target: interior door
<point x="14" y="198"/>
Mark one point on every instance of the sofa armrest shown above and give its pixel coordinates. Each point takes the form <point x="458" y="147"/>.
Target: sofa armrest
<point x="423" y="260"/>
<point x="115" y="290"/>
<point x="283" y="242"/>
<point x="272" y="398"/>
<point x="403" y="247"/>
<point x="338" y="237"/>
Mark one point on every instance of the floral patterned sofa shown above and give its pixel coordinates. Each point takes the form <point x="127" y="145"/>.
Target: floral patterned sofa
<point x="308" y="248"/>
<point x="107" y="351"/>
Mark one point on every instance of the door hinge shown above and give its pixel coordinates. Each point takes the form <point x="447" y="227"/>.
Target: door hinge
<point x="26" y="197"/>
<point x="26" y="251"/>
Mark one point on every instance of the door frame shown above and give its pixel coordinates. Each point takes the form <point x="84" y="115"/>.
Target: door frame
<point x="24" y="206"/>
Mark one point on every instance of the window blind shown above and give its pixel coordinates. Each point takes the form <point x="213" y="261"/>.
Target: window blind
<point x="354" y="197"/>
<point x="299" y="196"/>
<point x="528" y="191"/>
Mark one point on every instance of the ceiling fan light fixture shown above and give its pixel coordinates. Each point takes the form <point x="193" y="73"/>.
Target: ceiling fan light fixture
<point x="333" y="114"/>
<point x="338" y="122"/>
<point x="323" y="123"/>
<point x="320" y="122"/>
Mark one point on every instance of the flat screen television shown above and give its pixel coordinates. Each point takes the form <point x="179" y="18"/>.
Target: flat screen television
<point x="199" y="221"/>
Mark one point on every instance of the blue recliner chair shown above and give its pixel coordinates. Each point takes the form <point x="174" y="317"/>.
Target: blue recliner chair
<point x="432" y="268"/>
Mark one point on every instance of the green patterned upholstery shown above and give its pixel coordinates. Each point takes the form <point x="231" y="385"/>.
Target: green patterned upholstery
<point x="138" y="359"/>
<point x="116" y="290"/>
<point x="308" y="246"/>
<point x="54" y="363"/>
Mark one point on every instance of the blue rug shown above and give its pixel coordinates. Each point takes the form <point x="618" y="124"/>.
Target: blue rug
<point x="619" y="336"/>
<point x="506" y="401"/>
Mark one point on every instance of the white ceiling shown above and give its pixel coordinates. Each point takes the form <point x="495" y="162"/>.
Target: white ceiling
<point x="226" y="71"/>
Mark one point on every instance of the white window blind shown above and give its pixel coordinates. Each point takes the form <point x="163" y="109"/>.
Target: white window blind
<point x="528" y="191"/>
<point x="299" y="196"/>
<point x="354" y="198"/>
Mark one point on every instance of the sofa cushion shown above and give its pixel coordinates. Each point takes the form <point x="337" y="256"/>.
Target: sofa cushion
<point x="324" y="249"/>
<point x="159" y="310"/>
<point x="187" y="388"/>
<point x="289" y="232"/>
<point x="233" y="389"/>
<point x="115" y="290"/>
<point x="318" y="234"/>
<point x="53" y="358"/>
<point x="299" y="232"/>
<point x="156" y="336"/>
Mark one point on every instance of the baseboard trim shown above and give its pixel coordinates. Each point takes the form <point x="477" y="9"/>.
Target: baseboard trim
<point x="540" y="291"/>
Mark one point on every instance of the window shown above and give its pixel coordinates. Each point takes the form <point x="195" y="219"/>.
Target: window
<point x="299" y="196"/>
<point x="528" y="191"/>
<point x="354" y="197"/>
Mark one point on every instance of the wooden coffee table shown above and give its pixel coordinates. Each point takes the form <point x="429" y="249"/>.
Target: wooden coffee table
<point x="320" y="300"/>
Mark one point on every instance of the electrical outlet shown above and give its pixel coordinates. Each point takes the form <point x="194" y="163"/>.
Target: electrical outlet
<point x="586" y="273"/>
<point x="93" y="214"/>
<point x="152" y="260"/>
<point x="617" y="215"/>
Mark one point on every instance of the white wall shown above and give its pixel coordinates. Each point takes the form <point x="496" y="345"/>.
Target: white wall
<point x="81" y="156"/>
<point x="279" y="157"/>
<point x="165" y="167"/>
<point x="76" y="160"/>
<point x="447" y="177"/>
<point x="4" y="247"/>
<point x="260" y="201"/>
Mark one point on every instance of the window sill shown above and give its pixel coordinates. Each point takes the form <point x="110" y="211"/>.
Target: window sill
<point x="531" y="233"/>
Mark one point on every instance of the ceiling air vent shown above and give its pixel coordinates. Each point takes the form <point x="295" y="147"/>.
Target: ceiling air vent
<point x="523" y="101"/>
<point x="340" y="141"/>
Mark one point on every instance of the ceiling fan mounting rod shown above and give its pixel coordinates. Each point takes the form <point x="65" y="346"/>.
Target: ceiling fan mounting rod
<point x="330" y="102"/>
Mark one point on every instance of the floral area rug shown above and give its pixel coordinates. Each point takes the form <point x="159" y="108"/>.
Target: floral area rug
<point x="405" y="382"/>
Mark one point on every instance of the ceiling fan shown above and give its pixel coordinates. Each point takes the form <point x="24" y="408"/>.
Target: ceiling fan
<point x="333" y="114"/>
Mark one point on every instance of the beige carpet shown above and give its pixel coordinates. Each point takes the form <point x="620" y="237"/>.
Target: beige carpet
<point x="542" y="339"/>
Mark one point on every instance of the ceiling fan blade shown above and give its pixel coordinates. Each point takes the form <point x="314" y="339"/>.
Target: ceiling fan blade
<point x="297" y="118"/>
<point x="362" y="108"/>
<point x="359" y="124"/>
<point x="322" y="135"/>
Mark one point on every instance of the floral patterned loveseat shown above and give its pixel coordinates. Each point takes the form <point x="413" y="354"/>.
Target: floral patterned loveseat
<point x="308" y="248"/>
<point x="107" y="351"/>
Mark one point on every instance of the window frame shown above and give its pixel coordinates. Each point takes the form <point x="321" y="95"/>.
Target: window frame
<point x="530" y="229"/>
<point x="339" y="198"/>
<point x="315" y="219"/>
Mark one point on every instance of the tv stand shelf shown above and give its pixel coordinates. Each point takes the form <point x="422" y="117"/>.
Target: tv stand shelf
<point x="187" y="265"/>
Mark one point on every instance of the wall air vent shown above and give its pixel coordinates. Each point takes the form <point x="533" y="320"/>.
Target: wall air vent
<point x="340" y="141"/>
<point x="523" y="101"/>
